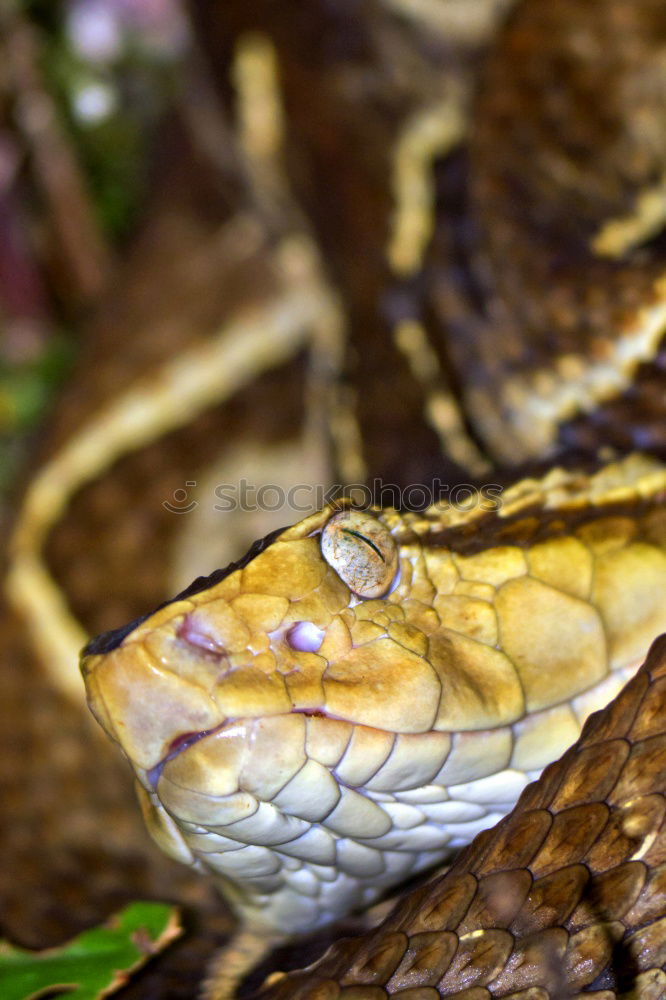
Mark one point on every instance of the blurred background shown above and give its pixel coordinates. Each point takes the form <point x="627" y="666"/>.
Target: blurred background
<point x="86" y="92"/>
<point x="196" y="280"/>
<point x="83" y="90"/>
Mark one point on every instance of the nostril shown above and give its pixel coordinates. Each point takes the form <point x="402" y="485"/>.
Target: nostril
<point x="305" y="637"/>
<point x="191" y="631"/>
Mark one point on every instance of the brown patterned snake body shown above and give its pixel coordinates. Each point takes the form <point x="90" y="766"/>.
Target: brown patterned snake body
<point x="565" y="898"/>
<point x="310" y="732"/>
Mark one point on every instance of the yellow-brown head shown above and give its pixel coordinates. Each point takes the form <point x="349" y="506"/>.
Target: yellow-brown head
<point x="366" y="690"/>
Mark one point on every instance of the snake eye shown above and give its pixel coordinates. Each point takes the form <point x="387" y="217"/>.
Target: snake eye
<point x="361" y="551"/>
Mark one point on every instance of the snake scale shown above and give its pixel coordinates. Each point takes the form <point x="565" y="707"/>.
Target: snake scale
<point x="565" y="898"/>
<point x="400" y="671"/>
<point x="366" y="690"/>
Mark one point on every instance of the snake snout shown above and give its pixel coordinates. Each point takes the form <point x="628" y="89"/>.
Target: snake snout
<point x="144" y="703"/>
<point x="182" y="674"/>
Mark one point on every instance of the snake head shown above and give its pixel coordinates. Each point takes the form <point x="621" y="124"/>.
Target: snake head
<point x="268" y="705"/>
<point x="357" y="695"/>
<point x="235" y="701"/>
<point x="303" y="624"/>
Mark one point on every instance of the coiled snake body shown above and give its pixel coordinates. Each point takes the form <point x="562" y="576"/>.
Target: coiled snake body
<point x="368" y="689"/>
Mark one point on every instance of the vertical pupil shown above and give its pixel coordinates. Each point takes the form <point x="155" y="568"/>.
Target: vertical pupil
<point x="357" y="534"/>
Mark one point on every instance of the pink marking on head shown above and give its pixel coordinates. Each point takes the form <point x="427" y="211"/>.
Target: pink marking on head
<point x="305" y="637"/>
<point x="191" y="631"/>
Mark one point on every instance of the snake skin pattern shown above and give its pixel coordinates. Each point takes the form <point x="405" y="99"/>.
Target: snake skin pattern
<point x="269" y="850"/>
<point x="310" y="747"/>
<point x="555" y="231"/>
<point x="564" y="898"/>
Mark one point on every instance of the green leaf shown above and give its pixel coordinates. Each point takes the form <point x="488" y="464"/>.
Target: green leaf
<point x="96" y="963"/>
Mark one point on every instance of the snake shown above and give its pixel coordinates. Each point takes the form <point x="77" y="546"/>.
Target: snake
<point x="323" y="719"/>
<point x="370" y="688"/>
<point x="367" y="690"/>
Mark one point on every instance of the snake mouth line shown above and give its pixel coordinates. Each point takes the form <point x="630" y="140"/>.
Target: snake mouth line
<point x="176" y="747"/>
<point x="184" y="741"/>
